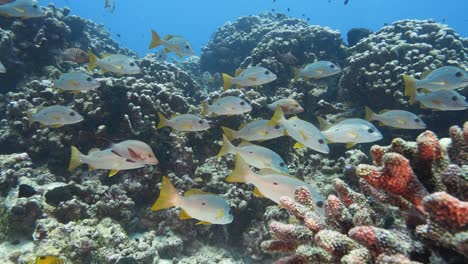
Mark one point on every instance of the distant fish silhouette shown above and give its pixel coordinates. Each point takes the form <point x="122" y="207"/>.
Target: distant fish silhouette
<point x="287" y="58"/>
<point x="110" y="4"/>
<point x="346" y="2"/>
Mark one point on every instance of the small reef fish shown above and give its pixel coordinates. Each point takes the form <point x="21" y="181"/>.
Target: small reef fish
<point x="288" y="105"/>
<point x="396" y="118"/>
<point x="444" y="100"/>
<point x="209" y="208"/>
<point x="161" y="55"/>
<point x="2" y="68"/>
<point x="257" y="130"/>
<point x="273" y="186"/>
<point x="443" y="78"/>
<point x="172" y="43"/>
<point x="350" y="131"/>
<point x="101" y="159"/>
<point x="54" y="116"/>
<point x="47" y="260"/>
<point x="76" y="55"/>
<point x="116" y="63"/>
<point x="306" y="134"/>
<point x="22" y="9"/>
<point x="287" y="58"/>
<point x="252" y="76"/>
<point x="228" y="105"/>
<point x="184" y="123"/>
<point x="135" y="151"/>
<point x="110" y="5"/>
<point x="317" y="70"/>
<point x="76" y="82"/>
<point x="257" y="156"/>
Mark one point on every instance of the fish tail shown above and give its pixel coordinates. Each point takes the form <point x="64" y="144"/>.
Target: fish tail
<point x="323" y="124"/>
<point x="226" y="148"/>
<point x="296" y="73"/>
<point x="204" y="108"/>
<point x="168" y="196"/>
<point x="229" y="133"/>
<point x="155" y="40"/>
<point x="227" y="81"/>
<point x="163" y="122"/>
<point x="277" y="118"/>
<point x="370" y="115"/>
<point x="410" y="88"/>
<point x="241" y="171"/>
<point x="92" y="60"/>
<point x="29" y="114"/>
<point x="75" y="159"/>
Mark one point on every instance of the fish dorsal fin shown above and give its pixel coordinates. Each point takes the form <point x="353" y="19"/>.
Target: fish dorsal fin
<point x="257" y="193"/>
<point x="242" y="126"/>
<point x="39" y="108"/>
<point x="174" y="115"/>
<point x="298" y="145"/>
<point x="238" y="72"/>
<point x="384" y="111"/>
<point x="168" y="37"/>
<point x="203" y="223"/>
<point x="191" y="192"/>
<point x="323" y="124"/>
<point x="425" y="74"/>
<point x="245" y="143"/>
<point x="184" y="215"/>
<point x="267" y="171"/>
<point x="93" y="150"/>
<point x="105" y="55"/>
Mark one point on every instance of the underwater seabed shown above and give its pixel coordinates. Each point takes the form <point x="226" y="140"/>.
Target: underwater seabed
<point x="402" y="203"/>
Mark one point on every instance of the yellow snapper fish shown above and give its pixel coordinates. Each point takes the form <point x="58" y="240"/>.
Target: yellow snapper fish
<point x="47" y="260"/>
<point x="273" y="186"/>
<point x="2" y="68"/>
<point x="172" y="43"/>
<point x="206" y="207"/>
<point x="396" y="118"/>
<point x="116" y="63"/>
<point x="101" y="159"/>
<point x="317" y="70"/>
<point x="184" y="123"/>
<point x="350" y="131"/>
<point x="22" y="9"/>
<point x="54" y="116"/>
<point x="444" y="100"/>
<point x="135" y="151"/>
<point x="257" y="130"/>
<point x="252" y="76"/>
<point x="306" y="134"/>
<point x="257" y="156"/>
<point x="228" y="105"/>
<point x="76" y="82"/>
<point x="288" y="105"/>
<point x="443" y="78"/>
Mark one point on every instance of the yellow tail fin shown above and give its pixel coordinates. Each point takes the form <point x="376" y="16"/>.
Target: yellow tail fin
<point x="241" y="171"/>
<point x="168" y="196"/>
<point x="370" y="115"/>
<point x="162" y="121"/>
<point x="410" y="88"/>
<point x="92" y="60"/>
<point x="226" y="148"/>
<point x="229" y="133"/>
<point x="155" y="40"/>
<point x="204" y="106"/>
<point x="75" y="159"/>
<point x="227" y="81"/>
<point x="277" y="118"/>
<point x="296" y="73"/>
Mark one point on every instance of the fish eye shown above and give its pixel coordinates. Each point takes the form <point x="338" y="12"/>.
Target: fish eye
<point x="42" y="257"/>
<point x="187" y="46"/>
<point x="242" y="103"/>
<point x="370" y="130"/>
<point x="230" y="212"/>
<point x="459" y="74"/>
<point x="132" y="64"/>
<point x="321" y="141"/>
<point x="200" y="122"/>
<point x="267" y="72"/>
<point x="72" y="114"/>
<point x="277" y="126"/>
<point x="417" y="120"/>
<point x="454" y="98"/>
<point x="282" y="164"/>
<point x="203" y="203"/>
<point x="89" y="79"/>
<point x="319" y="204"/>
<point x="35" y="6"/>
<point x="296" y="105"/>
<point x="275" y="183"/>
<point x="332" y="66"/>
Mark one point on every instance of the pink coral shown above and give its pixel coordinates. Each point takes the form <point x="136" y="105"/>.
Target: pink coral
<point x="446" y="210"/>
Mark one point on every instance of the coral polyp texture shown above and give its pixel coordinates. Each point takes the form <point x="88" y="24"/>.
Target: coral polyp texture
<point x="429" y="225"/>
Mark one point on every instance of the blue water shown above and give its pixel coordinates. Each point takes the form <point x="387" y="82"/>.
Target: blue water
<point x="197" y="20"/>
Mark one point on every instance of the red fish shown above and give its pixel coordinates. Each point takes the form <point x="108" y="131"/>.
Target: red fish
<point x="75" y="55"/>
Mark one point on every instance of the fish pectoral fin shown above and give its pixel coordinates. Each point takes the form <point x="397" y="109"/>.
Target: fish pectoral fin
<point x="299" y="145"/>
<point x="352" y="135"/>
<point x="320" y="72"/>
<point x="350" y="144"/>
<point x="435" y="101"/>
<point x="304" y="135"/>
<point x="19" y="9"/>
<point x="401" y="121"/>
<point x="120" y="67"/>
<point x="252" y="78"/>
<point x="203" y="223"/>
<point x="133" y="153"/>
<point x="220" y="213"/>
<point x="56" y="126"/>
<point x="55" y="117"/>
<point x="113" y="172"/>
<point x="187" y="126"/>
<point x="73" y="83"/>
<point x="257" y="193"/>
<point x="184" y="215"/>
